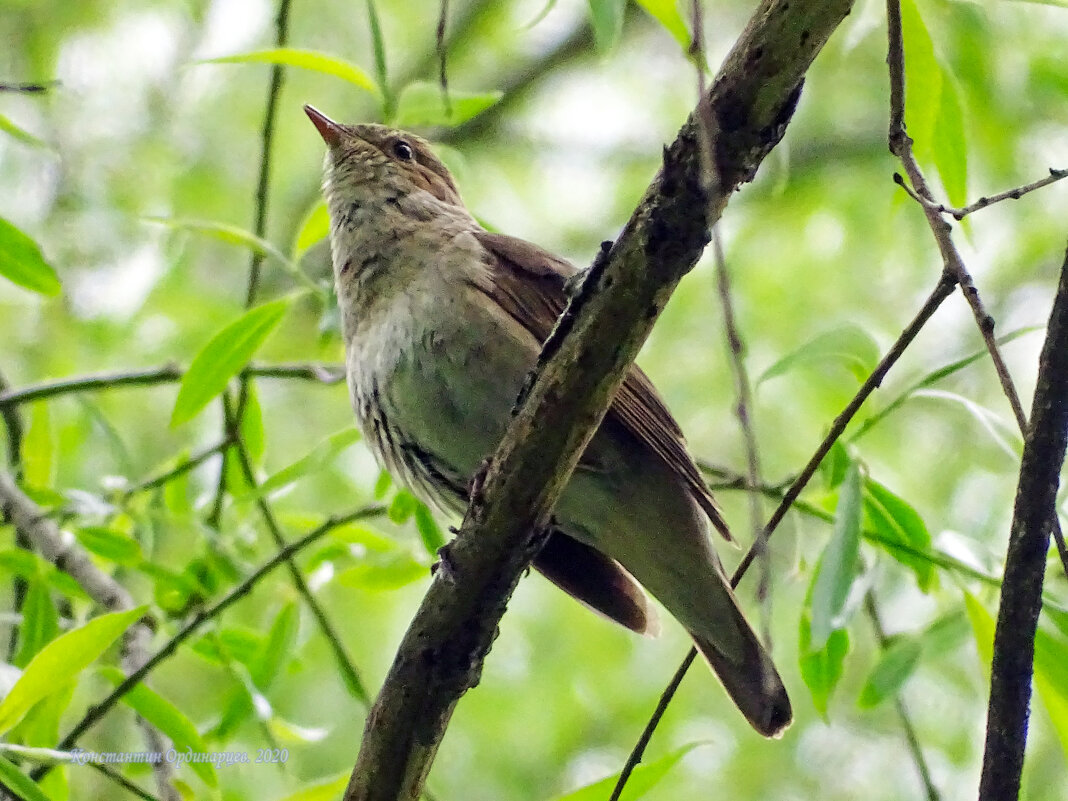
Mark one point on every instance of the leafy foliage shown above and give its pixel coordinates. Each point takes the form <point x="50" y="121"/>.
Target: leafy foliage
<point x="553" y="127"/>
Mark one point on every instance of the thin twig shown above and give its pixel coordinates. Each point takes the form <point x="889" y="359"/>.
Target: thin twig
<point x="180" y="469"/>
<point x="167" y="374"/>
<point x="1012" y="194"/>
<point x="19" y="584"/>
<point x="348" y="669"/>
<point x="744" y="411"/>
<point x="442" y="48"/>
<point x="259" y="228"/>
<point x="902" y="713"/>
<point x="284" y="556"/>
<point x="901" y="146"/>
<point x="942" y="290"/>
<point x="35" y="88"/>
<point x="654" y="721"/>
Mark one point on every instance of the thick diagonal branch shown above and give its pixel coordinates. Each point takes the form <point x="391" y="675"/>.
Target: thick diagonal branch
<point x="1033" y="519"/>
<point x="583" y="364"/>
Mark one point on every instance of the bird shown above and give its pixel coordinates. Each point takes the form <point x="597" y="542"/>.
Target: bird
<point x="442" y="320"/>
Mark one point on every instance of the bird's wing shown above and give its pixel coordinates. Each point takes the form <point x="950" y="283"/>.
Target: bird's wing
<point x="529" y="283"/>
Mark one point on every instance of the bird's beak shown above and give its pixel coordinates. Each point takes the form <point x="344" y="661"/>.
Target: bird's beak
<point x="328" y="129"/>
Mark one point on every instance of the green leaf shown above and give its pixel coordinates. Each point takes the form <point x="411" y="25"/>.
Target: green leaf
<point x="1002" y="433"/>
<point x="378" y="42"/>
<point x="890" y="673"/>
<point x="923" y="79"/>
<point x="307" y="60"/>
<point x="383" y="573"/>
<point x="38" y="448"/>
<point x="422" y="104"/>
<point x="40" y="623"/>
<point x="329" y="790"/>
<point x="277" y="648"/>
<point x="834" y="465"/>
<point x="223" y="357"/>
<point x="838" y="564"/>
<point x="382" y="484"/>
<point x="642" y="780"/>
<point x="402" y="507"/>
<point x="235" y="235"/>
<point x="62" y="660"/>
<point x="110" y="544"/>
<point x="168" y="718"/>
<point x="935" y="376"/>
<point x="252" y="433"/>
<point x="365" y="538"/>
<point x="606" y="17"/>
<point x="318" y="458"/>
<point x="20" y="134"/>
<point x="18" y="782"/>
<point x="950" y="144"/>
<point x="1051" y="681"/>
<point x="428" y="529"/>
<point x="666" y="12"/>
<point x="821" y="668"/>
<point x="848" y="345"/>
<point x="314" y="228"/>
<point x="895" y="520"/>
<point x="30" y="566"/>
<point x="21" y="262"/>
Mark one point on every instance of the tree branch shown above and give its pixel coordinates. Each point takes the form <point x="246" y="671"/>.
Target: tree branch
<point x="44" y="536"/>
<point x="167" y="374"/>
<point x="582" y="365"/>
<point x="1033" y="519"/>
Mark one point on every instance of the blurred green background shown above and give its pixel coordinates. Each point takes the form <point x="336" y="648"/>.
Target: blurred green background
<point x="822" y="248"/>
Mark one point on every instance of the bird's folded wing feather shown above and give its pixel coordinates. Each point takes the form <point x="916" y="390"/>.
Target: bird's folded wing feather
<point x="529" y="283"/>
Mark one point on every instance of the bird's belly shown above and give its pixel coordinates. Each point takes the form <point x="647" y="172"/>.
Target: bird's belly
<point x="433" y="384"/>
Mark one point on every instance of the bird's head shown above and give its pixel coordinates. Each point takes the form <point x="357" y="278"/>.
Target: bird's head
<point x="377" y="164"/>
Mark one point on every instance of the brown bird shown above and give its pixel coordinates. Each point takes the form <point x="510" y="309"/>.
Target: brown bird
<point x="442" y="321"/>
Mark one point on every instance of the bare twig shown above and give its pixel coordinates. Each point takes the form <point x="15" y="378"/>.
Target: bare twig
<point x="901" y="146"/>
<point x="942" y="291"/>
<point x="284" y="556"/>
<point x="1034" y="516"/>
<point x="744" y="409"/>
<point x="167" y="374"/>
<point x="650" y="727"/>
<point x="19" y="585"/>
<point x="1012" y="194"/>
<point x="180" y="469"/>
<point x="36" y="88"/>
<point x="259" y="228"/>
<point x="902" y="713"/>
<point x="607" y="320"/>
<point x="344" y="662"/>
<point x="442" y="48"/>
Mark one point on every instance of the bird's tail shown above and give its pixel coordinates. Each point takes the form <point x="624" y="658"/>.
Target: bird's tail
<point x="750" y="679"/>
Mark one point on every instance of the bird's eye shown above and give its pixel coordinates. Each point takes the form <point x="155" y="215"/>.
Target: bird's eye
<point x="403" y="150"/>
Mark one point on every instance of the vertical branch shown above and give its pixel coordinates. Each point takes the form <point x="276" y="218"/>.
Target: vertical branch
<point x="260" y="229"/>
<point x="902" y="713"/>
<point x="13" y="423"/>
<point x="743" y="409"/>
<point x="1034" y="516"/>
